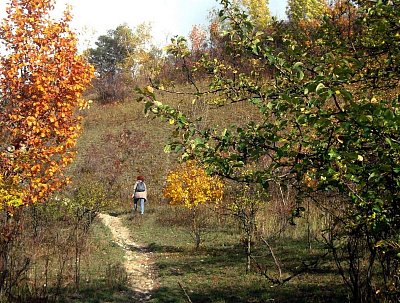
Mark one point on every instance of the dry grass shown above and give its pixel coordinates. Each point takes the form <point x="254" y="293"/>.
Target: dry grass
<point x="121" y="134"/>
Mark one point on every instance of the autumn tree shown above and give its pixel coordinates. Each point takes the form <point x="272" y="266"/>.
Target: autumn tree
<point x="259" y="12"/>
<point x="197" y="39"/>
<point x="343" y="13"/>
<point x="151" y="62"/>
<point x="298" y="10"/>
<point x="190" y="186"/>
<point x="117" y="58"/>
<point x="42" y="78"/>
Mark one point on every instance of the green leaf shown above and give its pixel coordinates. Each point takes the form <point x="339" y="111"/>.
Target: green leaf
<point x="297" y="65"/>
<point x="346" y="94"/>
<point x="167" y="149"/>
<point x="300" y="74"/>
<point x="319" y="87"/>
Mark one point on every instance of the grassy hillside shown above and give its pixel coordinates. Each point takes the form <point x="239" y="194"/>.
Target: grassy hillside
<point x="119" y="142"/>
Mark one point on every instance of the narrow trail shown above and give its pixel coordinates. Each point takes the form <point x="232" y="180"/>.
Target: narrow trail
<point x="138" y="263"/>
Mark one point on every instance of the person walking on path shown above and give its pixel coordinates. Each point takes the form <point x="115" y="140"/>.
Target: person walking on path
<point x="139" y="194"/>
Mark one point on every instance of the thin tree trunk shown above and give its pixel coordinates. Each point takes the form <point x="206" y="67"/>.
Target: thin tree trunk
<point x="248" y="253"/>
<point x="196" y="230"/>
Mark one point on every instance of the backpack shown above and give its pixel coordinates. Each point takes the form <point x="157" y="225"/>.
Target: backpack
<point x="140" y="187"/>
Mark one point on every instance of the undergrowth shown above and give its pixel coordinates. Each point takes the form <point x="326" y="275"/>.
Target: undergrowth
<point x="216" y="272"/>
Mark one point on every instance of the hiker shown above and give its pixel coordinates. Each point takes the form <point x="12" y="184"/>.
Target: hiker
<point x="139" y="194"/>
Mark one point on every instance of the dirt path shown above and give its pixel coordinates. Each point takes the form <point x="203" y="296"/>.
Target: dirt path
<point x="138" y="263"/>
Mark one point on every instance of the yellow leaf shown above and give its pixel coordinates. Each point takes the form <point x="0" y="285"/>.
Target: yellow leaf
<point x="150" y="89"/>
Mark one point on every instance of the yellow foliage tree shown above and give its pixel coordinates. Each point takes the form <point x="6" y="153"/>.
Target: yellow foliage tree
<point x="190" y="186"/>
<point x="305" y="10"/>
<point x="258" y="11"/>
<point x="42" y="78"/>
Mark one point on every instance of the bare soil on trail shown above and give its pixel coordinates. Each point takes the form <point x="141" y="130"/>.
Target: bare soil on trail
<point x="138" y="262"/>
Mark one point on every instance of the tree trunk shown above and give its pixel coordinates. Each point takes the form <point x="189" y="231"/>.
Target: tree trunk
<point x="196" y="230"/>
<point x="248" y="253"/>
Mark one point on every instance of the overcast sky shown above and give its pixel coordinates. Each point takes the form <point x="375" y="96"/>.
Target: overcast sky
<point x="167" y="18"/>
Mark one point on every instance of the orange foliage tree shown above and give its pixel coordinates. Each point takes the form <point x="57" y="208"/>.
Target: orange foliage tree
<point x="198" y="39"/>
<point x="42" y="78"/>
<point x="190" y="186"/>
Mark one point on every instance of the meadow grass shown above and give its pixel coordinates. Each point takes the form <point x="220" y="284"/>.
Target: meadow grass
<point x="103" y="278"/>
<point x="216" y="272"/>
